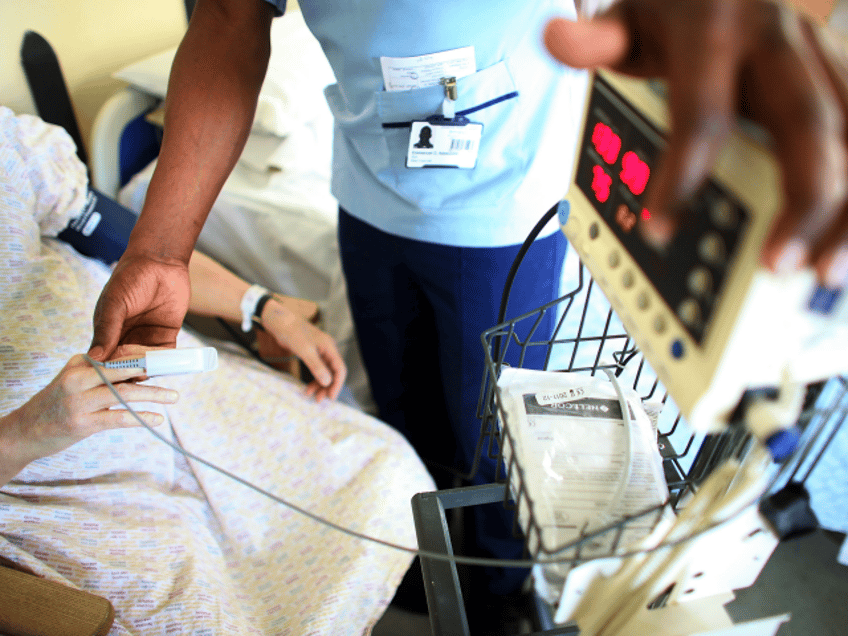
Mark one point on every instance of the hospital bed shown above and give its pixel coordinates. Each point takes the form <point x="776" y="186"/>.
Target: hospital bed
<point x="43" y="603"/>
<point x="274" y="223"/>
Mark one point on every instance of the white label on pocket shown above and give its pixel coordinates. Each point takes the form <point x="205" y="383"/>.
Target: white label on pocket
<point x="422" y="71"/>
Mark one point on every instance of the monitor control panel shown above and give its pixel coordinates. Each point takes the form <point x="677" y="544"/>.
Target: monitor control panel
<point x="711" y="321"/>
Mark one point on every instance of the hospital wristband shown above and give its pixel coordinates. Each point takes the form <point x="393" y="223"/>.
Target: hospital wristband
<point x="252" y="304"/>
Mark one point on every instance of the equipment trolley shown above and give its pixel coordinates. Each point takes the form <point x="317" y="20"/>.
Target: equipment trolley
<point x="589" y="337"/>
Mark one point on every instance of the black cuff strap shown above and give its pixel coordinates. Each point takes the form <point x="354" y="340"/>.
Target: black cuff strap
<point x="257" y="313"/>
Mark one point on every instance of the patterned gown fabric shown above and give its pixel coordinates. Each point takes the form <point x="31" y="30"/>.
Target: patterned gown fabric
<point x="176" y="546"/>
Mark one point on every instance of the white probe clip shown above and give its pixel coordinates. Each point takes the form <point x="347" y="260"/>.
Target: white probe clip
<point x="171" y="361"/>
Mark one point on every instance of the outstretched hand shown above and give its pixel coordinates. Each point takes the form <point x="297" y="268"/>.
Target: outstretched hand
<point x="144" y="303"/>
<point x="720" y="58"/>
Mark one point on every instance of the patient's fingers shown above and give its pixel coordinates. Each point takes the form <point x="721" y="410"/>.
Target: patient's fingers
<point x="121" y="418"/>
<point x="338" y="373"/>
<point x="101" y="397"/>
<point x="314" y="347"/>
<point x="84" y="378"/>
<point x="312" y="359"/>
<point x="78" y="376"/>
<point x="81" y="394"/>
<point x="76" y="404"/>
<point x="328" y="369"/>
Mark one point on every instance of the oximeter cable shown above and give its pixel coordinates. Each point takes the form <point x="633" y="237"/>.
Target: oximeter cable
<point x="438" y="556"/>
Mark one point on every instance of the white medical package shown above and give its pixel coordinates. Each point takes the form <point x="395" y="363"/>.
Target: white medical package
<point x="586" y="463"/>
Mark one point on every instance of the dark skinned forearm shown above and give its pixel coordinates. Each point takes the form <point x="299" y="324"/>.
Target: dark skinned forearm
<point x="212" y="94"/>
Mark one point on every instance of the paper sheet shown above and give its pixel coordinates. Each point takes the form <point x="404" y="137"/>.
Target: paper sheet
<point x="422" y="71"/>
<point x="582" y="469"/>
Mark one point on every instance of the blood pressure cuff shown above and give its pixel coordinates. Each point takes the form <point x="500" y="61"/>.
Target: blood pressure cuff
<point x="101" y="230"/>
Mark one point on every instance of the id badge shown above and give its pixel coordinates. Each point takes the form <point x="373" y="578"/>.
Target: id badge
<point x="444" y="143"/>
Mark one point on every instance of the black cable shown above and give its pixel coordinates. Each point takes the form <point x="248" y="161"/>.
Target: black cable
<point x="513" y="271"/>
<point x="239" y="338"/>
<point x="496" y="343"/>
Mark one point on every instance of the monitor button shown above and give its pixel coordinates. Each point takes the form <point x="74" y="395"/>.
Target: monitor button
<point x="711" y="249"/>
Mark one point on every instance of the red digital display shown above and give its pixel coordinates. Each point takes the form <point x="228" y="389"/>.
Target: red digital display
<point x="601" y="183"/>
<point x="634" y="172"/>
<point x="606" y="142"/>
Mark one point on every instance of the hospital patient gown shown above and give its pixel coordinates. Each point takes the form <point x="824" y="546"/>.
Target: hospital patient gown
<point x="175" y="546"/>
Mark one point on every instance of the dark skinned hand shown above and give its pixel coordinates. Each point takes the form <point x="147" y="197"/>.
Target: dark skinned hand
<point x="144" y="302"/>
<point x="719" y="58"/>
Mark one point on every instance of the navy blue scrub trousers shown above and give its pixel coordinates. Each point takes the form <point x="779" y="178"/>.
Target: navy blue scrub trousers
<point x="419" y="310"/>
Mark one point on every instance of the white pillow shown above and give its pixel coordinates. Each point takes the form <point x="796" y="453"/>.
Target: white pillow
<point x="293" y="90"/>
<point x="150" y="74"/>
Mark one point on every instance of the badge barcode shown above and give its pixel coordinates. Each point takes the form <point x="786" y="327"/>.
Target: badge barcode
<point x="461" y="144"/>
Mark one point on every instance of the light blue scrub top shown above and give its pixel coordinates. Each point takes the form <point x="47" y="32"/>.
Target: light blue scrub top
<point x="529" y="105"/>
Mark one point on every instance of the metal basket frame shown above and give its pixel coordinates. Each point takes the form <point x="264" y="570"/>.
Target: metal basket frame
<point x="684" y="470"/>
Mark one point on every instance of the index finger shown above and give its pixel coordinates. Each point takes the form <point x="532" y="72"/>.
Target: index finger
<point x="336" y="370"/>
<point x="88" y="378"/>
<point x="339" y="371"/>
<point x="703" y="65"/>
<point x="602" y="41"/>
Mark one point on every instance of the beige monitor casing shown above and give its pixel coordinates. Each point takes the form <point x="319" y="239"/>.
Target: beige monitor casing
<point x="760" y="333"/>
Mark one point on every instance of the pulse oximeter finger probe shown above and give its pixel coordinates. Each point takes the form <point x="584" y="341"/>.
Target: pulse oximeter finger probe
<point x="171" y="361"/>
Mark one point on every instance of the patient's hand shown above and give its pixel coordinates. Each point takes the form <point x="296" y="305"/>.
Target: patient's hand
<point x="73" y="406"/>
<point x="289" y="328"/>
<point x="143" y="303"/>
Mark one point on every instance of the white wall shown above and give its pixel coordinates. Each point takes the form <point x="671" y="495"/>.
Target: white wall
<point x="92" y="38"/>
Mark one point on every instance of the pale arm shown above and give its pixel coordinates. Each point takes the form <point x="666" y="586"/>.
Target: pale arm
<point x="216" y="291"/>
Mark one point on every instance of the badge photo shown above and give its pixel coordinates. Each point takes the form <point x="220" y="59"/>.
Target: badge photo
<point x="445" y="144"/>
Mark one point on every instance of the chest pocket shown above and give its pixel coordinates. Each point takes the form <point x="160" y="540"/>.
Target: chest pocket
<point x="380" y="137"/>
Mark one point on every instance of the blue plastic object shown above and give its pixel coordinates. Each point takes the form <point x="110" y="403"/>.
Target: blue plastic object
<point x="783" y="443"/>
<point x="823" y="299"/>
<point x="563" y="211"/>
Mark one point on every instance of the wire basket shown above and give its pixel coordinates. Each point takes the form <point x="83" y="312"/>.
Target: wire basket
<point x="589" y="337"/>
